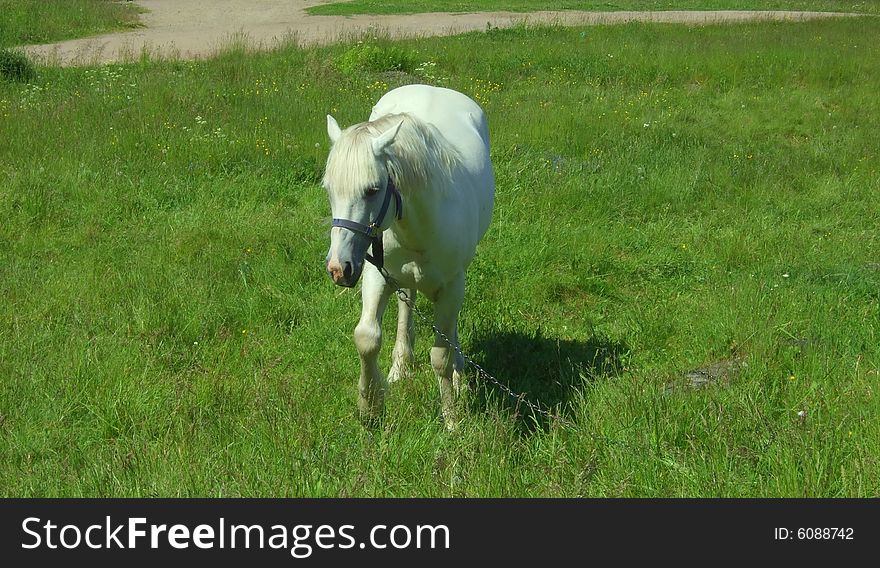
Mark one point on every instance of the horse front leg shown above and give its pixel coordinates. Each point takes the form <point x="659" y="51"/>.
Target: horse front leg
<point x="368" y="340"/>
<point x="402" y="356"/>
<point x="443" y="356"/>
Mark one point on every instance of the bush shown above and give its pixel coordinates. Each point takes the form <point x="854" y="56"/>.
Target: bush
<point x="15" y="66"/>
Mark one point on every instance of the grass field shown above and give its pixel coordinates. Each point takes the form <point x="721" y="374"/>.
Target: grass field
<point x="352" y="7"/>
<point x="668" y="197"/>
<point x="41" y="21"/>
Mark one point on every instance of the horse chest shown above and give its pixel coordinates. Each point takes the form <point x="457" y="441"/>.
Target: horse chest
<point x="415" y="269"/>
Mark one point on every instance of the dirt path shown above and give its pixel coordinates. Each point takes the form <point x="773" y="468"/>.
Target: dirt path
<point x="197" y="28"/>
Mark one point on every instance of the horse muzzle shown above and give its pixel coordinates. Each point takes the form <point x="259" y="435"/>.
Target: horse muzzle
<point x="346" y="273"/>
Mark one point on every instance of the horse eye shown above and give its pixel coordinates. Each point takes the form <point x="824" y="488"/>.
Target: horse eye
<point x="372" y="191"/>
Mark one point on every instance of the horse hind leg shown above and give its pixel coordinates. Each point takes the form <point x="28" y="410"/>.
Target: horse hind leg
<point x="459" y="376"/>
<point x="443" y="356"/>
<point x="402" y="356"/>
<point x="368" y="340"/>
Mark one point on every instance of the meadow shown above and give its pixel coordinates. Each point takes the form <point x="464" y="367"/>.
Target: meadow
<point x="351" y="7"/>
<point x="669" y="198"/>
<point x="41" y="21"/>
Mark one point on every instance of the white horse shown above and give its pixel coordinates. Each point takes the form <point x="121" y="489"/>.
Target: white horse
<point x="426" y="150"/>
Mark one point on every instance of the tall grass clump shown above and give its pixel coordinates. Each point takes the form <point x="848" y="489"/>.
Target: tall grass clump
<point x="368" y="56"/>
<point x="15" y="66"/>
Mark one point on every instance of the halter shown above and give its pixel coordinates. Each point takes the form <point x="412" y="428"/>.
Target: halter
<point x="372" y="231"/>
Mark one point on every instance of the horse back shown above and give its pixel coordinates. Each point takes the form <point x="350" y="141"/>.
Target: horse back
<point x="463" y="125"/>
<point x="454" y="114"/>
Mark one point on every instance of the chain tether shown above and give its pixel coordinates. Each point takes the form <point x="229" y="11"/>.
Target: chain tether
<point x="520" y="398"/>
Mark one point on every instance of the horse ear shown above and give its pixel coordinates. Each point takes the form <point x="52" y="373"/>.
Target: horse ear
<point x="381" y="142"/>
<point x="333" y="130"/>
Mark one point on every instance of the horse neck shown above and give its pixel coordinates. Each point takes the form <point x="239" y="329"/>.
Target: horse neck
<point x="422" y="170"/>
<point x="423" y="214"/>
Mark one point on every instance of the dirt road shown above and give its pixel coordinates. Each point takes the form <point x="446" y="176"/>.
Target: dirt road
<point x="197" y="28"/>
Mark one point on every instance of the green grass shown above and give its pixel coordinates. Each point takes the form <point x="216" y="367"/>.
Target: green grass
<point x="42" y="21"/>
<point x="167" y="327"/>
<point x="352" y="7"/>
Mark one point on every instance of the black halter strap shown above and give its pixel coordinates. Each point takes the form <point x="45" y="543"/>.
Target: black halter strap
<point x="372" y="231"/>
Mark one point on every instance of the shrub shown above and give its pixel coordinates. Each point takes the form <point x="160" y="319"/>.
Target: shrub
<point x="15" y="66"/>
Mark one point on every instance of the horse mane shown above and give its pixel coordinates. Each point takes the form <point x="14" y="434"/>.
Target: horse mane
<point x="418" y="157"/>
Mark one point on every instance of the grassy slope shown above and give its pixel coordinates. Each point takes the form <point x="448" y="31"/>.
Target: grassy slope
<point x="667" y="196"/>
<point x="407" y="7"/>
<point x="40" y="21"/>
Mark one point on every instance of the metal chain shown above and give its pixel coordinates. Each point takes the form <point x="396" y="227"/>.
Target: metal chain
<point x="519" y="397"/>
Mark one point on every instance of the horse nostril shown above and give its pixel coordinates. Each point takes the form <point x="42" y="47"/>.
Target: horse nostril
<point x="346" y="271"/>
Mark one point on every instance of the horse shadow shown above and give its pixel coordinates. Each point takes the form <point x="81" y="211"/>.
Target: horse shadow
<point x="547" y="371"/>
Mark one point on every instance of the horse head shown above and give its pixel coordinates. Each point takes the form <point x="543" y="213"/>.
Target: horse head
<point x="360" y="190"/>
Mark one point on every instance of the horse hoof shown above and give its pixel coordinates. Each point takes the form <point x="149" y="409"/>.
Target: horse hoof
<point x="450" y="420"/>
<point x="461" y="386"/>
<point x="370" y="413"/>
<point x="371" y="421"/>
<point x="371" y="410"/>
<point x="398" y="371"/>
